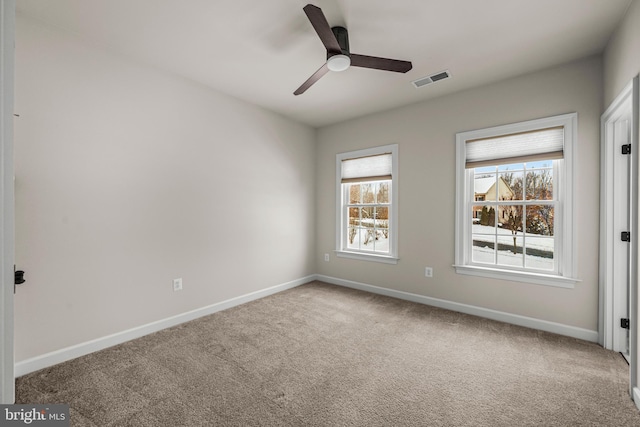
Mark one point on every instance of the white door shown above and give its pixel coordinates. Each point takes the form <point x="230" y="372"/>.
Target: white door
<point x="621" y="128"/>
<point x="615" y="217"/>
<point x="7" y="46"/>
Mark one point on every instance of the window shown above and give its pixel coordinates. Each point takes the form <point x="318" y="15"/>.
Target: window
<point x="514" y="202"/>
<point x="366" y="183"/>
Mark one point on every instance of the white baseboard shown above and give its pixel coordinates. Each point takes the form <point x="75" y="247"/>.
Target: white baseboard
<point x="636" y="397"/>
<point x="53" y="358"/>
<point x="515" y="319"/>
<point x="49" y="359"/>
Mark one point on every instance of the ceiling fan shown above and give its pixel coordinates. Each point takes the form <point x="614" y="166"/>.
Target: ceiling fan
<point x="339" y="58"/>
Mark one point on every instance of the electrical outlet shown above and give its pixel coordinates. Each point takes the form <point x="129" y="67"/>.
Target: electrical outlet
<point x="428" y="272"/>
<point x="177" y="284"/>
<point x="326" y="257"/>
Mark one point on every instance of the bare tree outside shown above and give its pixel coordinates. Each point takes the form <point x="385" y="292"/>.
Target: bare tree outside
<point x="535" y="184"/>
<point x="513" y="213"/>
<point x="369" y="215"/>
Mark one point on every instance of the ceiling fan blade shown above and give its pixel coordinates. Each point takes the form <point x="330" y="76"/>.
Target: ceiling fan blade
<point x="311" y="80"/>
<point x="320" y="24"/>
<point x="380" y="63"/>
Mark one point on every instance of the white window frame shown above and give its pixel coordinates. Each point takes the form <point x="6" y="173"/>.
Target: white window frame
<point x="564" y="176"/>
<point x="341" y="210"/>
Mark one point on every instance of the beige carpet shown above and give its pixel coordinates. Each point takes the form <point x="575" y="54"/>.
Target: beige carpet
<point x="321" y="355"/>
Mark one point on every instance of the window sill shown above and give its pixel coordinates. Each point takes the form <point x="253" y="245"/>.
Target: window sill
<point x="518" y="276"/>
<point x="385" y="259"/>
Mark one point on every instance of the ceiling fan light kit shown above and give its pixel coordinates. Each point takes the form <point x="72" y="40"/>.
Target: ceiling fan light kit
<point x="338" y="62"/>
<point x="339" y="57"/>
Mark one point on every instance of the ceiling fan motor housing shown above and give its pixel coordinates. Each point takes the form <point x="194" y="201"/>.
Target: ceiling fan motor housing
<point x="342" y="36"/>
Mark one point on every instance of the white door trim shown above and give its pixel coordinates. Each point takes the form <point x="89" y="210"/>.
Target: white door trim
<point x="611" y="249"/>
<point x="635" y="235"/>
<point x="7" y="59"/>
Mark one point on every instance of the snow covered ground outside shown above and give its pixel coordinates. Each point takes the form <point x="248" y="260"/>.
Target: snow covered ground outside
<point x="481" y="254"/>
<point x="486" y="254"/>
<point x="379" y="244"/>
<point x="486" y="234"/>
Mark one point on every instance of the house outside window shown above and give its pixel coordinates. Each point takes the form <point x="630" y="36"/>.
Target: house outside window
<point x="486" y="188"/>
<point x="366" y="189"/>
<point x="514" y="201"/>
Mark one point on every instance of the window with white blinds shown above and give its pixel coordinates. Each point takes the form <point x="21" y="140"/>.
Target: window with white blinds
<point x="521" y="147"/>
<point x="366" y="200"/>
<point x="514" y="201"/>
<point x="368" y="168"/>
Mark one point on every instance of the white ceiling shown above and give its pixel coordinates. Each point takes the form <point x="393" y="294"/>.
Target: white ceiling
<point x="261" y="51"/>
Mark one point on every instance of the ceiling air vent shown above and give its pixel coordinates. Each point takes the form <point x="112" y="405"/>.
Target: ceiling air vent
<point x="432" y="78"/>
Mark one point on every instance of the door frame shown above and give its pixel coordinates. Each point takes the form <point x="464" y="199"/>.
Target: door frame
<point x="619" y="108"/>
<point x="7" y="238"/>
<point x="607" y="323"/>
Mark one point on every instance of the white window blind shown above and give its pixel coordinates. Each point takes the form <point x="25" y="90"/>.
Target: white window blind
<point x="370" y="168"/>
<point x="543" y="144"/>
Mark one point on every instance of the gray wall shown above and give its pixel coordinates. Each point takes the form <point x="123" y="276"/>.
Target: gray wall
<point x="622" y="54"/>
<point x="425" y="134"/>
<point x="128" y="177"/>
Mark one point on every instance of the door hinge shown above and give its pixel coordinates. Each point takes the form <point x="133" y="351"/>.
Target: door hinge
<point x="625" y="236"/>
<point x="624" y="323"/>
<point x="626" y="149"/>
<point x="18" y="278"/>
